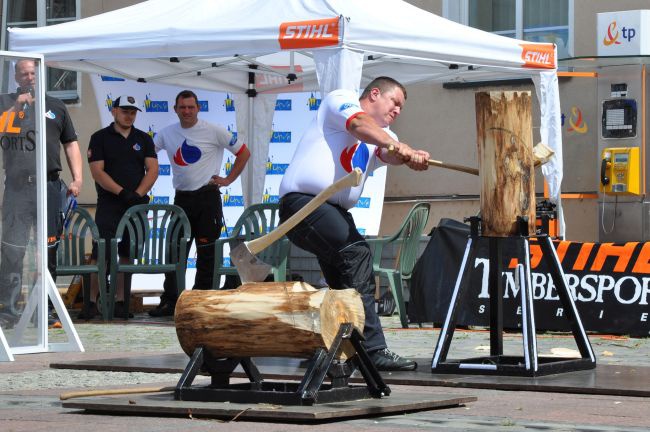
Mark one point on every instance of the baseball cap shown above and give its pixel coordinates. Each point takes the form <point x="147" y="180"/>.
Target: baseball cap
<point x="126" y="101"/>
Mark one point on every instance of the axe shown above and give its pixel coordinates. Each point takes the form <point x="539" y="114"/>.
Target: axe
<point x="541" y="154"/>
<point x="251" y="268"/>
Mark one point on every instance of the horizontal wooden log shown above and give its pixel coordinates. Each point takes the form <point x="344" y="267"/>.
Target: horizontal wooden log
<point x="266" y="319"/>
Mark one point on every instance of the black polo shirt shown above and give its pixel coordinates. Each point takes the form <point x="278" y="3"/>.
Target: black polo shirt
<point x="19" y="142"/>
<point x="123" y="157"/>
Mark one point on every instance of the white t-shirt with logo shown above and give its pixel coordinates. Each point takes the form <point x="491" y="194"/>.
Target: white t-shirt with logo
<point x="195" y="153"/>
<point x="327" y="152"/>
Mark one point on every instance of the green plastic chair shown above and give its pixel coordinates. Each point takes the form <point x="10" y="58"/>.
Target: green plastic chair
<point x="159" y="236"/>
<point x="407" y="238"/>
<point x="256" y="221"/>
<point x="71" y="255"/>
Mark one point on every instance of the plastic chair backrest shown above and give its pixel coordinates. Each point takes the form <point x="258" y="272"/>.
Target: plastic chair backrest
<point x="154" y="231"/>
<point x="256" y="221"/>
<point x="73" y="241"/>
<point x="410" y="233"/>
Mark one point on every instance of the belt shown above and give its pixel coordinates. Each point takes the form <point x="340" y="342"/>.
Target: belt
<point x="208" y="187"/>
<point x="22" y="178"/>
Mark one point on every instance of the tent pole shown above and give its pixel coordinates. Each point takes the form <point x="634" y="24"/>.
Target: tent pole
<point x="251" y="171"/>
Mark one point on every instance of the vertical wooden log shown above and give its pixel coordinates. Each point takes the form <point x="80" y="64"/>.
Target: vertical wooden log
<point x="505" y="153"/>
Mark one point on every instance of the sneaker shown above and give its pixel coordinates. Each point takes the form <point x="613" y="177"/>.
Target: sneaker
<point x="386" y="360"/>
<point x="120" y="311"/>
<point x="89" y="313"/>
<point x="165" y="308"/>
<point x="53" y="321"/>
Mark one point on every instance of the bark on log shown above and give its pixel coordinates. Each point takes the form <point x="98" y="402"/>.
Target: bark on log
<point x="504" y="138"/>
<point x="266" y="319"/>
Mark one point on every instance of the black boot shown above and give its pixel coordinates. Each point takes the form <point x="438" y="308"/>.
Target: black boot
<point x="165" y="308"/>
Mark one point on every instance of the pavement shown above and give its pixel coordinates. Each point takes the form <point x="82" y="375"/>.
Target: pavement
<point x="30" y="389"/>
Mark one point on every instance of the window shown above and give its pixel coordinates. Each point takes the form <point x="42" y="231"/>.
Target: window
<point x="532" y="20"/>
<point x="35" y="13"/>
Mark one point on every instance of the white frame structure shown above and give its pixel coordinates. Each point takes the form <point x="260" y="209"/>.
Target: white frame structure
<point x="37" y="301"/>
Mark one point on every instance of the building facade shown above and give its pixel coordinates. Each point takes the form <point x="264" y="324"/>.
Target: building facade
<point x="437" y="117"/>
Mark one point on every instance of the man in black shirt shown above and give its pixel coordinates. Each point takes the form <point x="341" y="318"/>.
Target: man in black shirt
<point x="124" y="165"/>
<point x="19" y="161"/>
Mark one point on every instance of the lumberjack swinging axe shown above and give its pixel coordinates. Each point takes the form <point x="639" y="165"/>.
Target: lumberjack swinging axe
<point x="251" y="268"/>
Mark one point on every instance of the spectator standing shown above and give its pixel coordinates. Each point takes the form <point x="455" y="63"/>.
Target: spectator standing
<point x="195" y="148"/>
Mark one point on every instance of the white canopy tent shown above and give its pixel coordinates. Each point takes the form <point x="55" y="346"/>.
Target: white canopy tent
<point x="260" y="47"/>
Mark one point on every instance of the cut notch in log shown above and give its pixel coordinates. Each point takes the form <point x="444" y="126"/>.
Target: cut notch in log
<point x="266" y="319"/>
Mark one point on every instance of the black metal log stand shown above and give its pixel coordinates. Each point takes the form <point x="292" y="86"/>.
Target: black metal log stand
<point x="311" y="390"/>
<point x="530" y="364"/>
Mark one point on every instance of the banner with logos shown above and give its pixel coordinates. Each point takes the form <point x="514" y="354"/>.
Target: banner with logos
<point x="293" y="113"/>
<point x="610" y="284"/>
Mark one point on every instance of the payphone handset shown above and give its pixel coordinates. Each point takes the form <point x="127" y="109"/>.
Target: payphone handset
<point x="619" y="171"/>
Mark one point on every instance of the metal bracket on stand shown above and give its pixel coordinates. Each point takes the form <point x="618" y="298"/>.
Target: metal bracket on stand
<point x="311" y="390"/>
<point x="530" y="364"/>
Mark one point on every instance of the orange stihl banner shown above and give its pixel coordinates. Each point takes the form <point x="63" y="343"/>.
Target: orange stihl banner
<point x="631" y="257"/>
<point x="309" y="34"/>
<point x="538" y="55"/>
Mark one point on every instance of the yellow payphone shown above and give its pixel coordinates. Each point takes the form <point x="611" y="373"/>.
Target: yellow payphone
<point x="619" y="171"/>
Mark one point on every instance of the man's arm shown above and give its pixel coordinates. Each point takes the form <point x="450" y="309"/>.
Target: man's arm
<point x="364" y="128"/>
<point x="151" y="166"/>
<point x="73" y="156"/>
<point x="103" y="179"/>
<point x="240" y="162"/>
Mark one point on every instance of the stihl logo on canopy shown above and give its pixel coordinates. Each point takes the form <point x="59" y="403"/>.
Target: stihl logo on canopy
<point x="309" y="34"/>
<point x="278" y="83"/>
<point x="538" y="55"/>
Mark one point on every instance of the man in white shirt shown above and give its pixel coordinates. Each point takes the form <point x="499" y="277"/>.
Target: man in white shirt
<point x="347" y="133"/>
<point x="195" y="148"/>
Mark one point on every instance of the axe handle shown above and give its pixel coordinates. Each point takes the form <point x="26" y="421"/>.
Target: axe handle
<point x="259" y="244"/>
<point x="454" y="167"/>
<point x="441" y="164"/>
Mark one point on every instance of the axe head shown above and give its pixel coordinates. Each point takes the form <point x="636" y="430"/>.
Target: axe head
<point x="249" y="267"/>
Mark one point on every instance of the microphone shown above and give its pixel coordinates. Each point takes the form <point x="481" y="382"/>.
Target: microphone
<point x="23" y="90"/>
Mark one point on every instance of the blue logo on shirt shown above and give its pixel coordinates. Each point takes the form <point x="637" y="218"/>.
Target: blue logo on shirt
<point x="187" y="154"/>
<point x="136" y="147"/>
<point x="361" y="157"/>
<point x="364" y="202"/>
<point x="347" y="105"/>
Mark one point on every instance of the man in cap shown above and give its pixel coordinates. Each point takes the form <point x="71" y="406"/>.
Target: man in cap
<point x="19" y="201"/>
<point x="124" y="165"/>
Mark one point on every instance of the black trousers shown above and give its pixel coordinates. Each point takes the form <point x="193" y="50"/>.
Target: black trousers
<point x="204" y="211"/>
<point x="18" y="219"/>
<point x="343" y="255"/>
